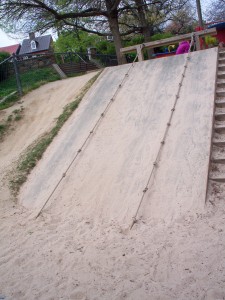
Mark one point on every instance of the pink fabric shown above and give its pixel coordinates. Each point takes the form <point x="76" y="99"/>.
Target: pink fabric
<point x="183" y="48"/>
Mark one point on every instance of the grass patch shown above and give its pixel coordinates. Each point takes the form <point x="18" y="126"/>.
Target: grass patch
<point x="29" y="80"/>
<point x="33" y="154"/>
<point x="3" y="129"/>
<point x="76" y="74"/>
<point x="16" y="115"/>
<point x="10" y="101"/>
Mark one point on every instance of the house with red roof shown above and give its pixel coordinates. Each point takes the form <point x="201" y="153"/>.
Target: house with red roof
<point x="11" y="49"/>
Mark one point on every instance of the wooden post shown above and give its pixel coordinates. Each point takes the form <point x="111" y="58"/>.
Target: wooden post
<point x="122" y="58"/>
<point x="140" y="53"/>
<point x="197" y="41"/>
<point x="18" y="81"/>
<point x="199" y="10"/>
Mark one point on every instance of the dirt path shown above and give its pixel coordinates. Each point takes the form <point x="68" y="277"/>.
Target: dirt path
<point x="41" y="107"/>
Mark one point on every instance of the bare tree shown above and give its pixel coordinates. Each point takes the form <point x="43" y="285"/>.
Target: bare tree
<point x="182" y="21"/>
<point x="102" y="17"/>
<point x="216" y="11"/>
<point x="98" y="16"/>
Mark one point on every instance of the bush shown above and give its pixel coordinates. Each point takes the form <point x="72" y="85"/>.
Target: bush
<point x="161" y="36"/>
<point x="80" y="41"/>
<point x="211" y="41"/>
<point x="3" y="56"/>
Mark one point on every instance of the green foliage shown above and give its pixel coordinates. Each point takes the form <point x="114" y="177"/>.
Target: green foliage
<point x="3" y="129"/>
<point x="161" y="36"/>
<point x="29" y="80"/>
<point x="211" y="41"/>
<point x="16" y="115"/>
<point x="3" y="56"/>
<point x="73" y="42"/>
<point x="138" y="39"/>
<point x="4" y="66"/>
<point x="35" y="78"/>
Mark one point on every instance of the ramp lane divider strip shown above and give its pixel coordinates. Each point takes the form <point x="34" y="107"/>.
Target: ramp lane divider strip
<point x="162" y="143"/>
<point x="90" y="133"/>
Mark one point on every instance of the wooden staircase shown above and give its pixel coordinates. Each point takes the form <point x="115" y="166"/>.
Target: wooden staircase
<point x="217" y="171"/>
<point x="59" y="71"/>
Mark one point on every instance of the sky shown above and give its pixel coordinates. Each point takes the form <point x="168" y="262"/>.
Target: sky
<point x="5" y="40"/>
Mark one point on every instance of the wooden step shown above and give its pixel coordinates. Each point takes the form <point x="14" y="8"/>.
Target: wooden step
<point x="220" y="116"/>
<point x="218" y="160"/>
<point x="220" y="92"/>
<point x="219" y="110"/>
<point x="221" y="54"/>
<point x="220" y="128"/>
<point x="217" y="179"/>
<point x="221" y="83"/>
<point x="218" y="136"/>
<point x="221" y="67"/>
<point x="220" y="103"/>
<point x="59" y="71"/>
<point x="218" y="143"/>
<point x="221" y="75"/>
<point x="222" y="60"/>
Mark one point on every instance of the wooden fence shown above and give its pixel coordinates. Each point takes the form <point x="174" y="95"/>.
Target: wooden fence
<point x="77" y="67"/>
<point x="150" y="45"/>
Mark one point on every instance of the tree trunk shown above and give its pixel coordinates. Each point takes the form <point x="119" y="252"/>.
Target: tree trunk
<point x="144" y="24"/>
<point x="114" y="27"/>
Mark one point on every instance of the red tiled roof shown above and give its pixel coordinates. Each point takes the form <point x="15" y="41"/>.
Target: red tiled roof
<point x="9" y="49"/>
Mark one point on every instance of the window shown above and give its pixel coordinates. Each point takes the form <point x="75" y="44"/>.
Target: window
<point x="33" y="45"/>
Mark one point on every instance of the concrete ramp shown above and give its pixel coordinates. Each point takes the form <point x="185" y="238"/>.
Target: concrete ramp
<point x="108" y="178"/>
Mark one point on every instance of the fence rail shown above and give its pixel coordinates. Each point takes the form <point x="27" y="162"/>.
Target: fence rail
<point x="72" y="57"/>
<point x="150" y="45"/>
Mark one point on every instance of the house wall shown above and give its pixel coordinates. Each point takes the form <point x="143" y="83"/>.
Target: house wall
<point x="221" y="35"/>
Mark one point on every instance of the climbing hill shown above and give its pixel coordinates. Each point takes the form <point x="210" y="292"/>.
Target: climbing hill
<point x="102" y="160"/>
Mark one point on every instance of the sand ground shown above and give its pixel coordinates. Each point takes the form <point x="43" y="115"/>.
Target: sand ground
<point x="62" y="255"/>
<point x="69" y="258"/>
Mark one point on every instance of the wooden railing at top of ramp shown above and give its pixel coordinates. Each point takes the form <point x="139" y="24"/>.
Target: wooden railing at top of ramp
<point x="139" y="48"/>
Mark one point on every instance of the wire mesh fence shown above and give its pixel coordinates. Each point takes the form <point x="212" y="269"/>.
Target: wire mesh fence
<point x="19" y="74"/>
<point x="77" y="57"/>
<point x="8" y="83"/>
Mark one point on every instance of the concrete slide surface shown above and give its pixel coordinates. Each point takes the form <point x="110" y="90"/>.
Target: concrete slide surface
<point x="107" y="180"/>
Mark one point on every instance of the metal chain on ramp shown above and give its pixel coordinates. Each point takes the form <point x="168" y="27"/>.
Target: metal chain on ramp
<point x="162" y="143"/>
<point x="90" y="133"/>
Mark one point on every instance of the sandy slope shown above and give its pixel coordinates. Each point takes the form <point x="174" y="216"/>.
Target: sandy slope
<point x="41" y="107"/>
<point x="108" y="178"/>
<point x="62" y="255"/>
